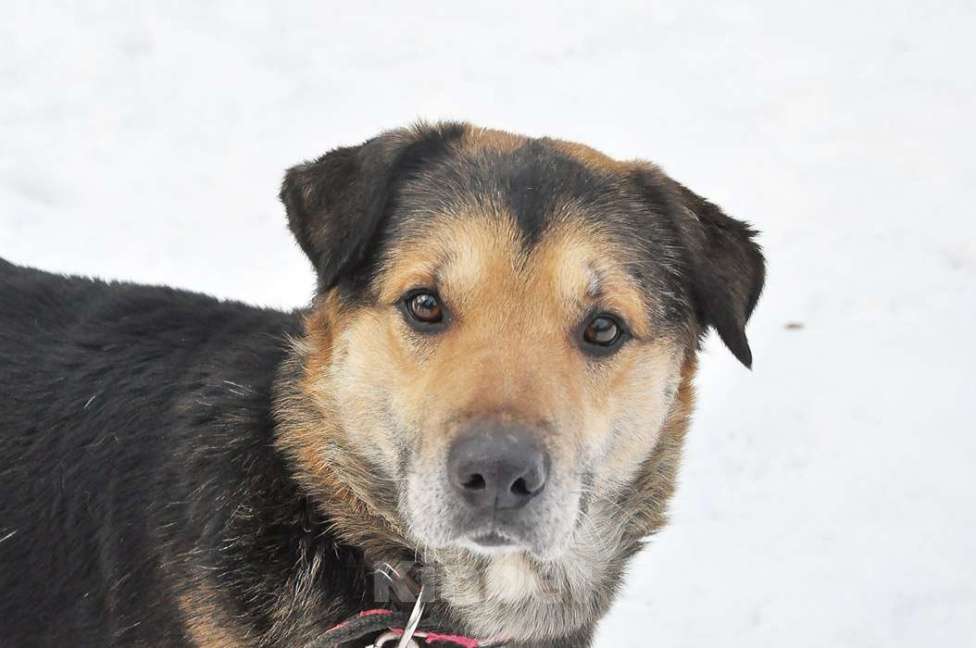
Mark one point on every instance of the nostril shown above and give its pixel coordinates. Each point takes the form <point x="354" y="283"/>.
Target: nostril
<point x="519" y="487"/>
<point x="474" y="482"/>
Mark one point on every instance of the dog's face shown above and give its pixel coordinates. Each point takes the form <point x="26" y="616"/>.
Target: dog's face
<point x="502" y="326"/>
<point x="502" y="382"/>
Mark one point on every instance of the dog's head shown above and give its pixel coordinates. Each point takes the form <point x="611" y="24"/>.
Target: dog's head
<point x="502" y="326"/>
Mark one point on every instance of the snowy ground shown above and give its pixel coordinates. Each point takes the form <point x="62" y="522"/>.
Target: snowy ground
<point x="828" y="497"/>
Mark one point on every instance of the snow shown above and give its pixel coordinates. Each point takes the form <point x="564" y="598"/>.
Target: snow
<point x="828" y="497"/>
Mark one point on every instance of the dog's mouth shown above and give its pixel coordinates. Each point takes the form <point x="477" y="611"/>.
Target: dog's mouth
<point x="501" y="536"/>
<point x="493" y="541"/>
<point x="492" y="544"/>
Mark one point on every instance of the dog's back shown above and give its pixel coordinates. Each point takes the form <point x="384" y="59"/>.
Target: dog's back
<point x="95" y="380"/>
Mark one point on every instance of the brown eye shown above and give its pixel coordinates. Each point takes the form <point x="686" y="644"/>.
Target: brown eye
<point x="602" y="334"/>
<point x="424" y="308"/>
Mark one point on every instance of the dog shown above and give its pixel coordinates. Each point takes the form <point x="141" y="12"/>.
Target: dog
<point x="478" y="419"/>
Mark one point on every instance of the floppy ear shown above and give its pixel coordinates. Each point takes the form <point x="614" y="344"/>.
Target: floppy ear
<point x="727" y="269"/>
<point x="336" y="205"/>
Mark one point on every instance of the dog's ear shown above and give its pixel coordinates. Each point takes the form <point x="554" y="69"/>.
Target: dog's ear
<point x="727" y="268"/>
<point x="337" y="204"/>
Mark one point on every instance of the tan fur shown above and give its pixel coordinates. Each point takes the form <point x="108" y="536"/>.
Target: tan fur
<point x="200" y="613"/>
<point x="344" y="486"/>
<point x="654" y="485"/>
<point x="590" y="157"/>
<point x="514" y="332"/>
<point x="488" y="139"/>
<point x="479" y="139"/>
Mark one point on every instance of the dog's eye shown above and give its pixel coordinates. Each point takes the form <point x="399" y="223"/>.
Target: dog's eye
<point x="424" y="308"/>
<point x="603" y="334"/>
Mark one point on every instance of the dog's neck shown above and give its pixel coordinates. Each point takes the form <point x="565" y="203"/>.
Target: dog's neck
<point x="511" y="595"/>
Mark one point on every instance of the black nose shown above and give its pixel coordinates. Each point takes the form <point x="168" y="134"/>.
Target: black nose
<point x="500" y="466"/>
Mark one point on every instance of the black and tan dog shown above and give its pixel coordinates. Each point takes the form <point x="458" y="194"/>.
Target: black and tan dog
<point x="492" y="385"/>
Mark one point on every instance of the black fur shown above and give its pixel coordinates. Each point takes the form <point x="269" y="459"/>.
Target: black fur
<point x="533" y="176"/>
<point x="727" y="271"/>
<point x="337" y="204"/>
<point x="135" y="450"/>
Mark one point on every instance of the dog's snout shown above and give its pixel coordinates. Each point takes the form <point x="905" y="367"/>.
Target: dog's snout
<point x="498" y="466"/>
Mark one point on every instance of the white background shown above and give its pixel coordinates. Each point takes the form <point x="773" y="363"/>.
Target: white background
<point x="827" y="497"/>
